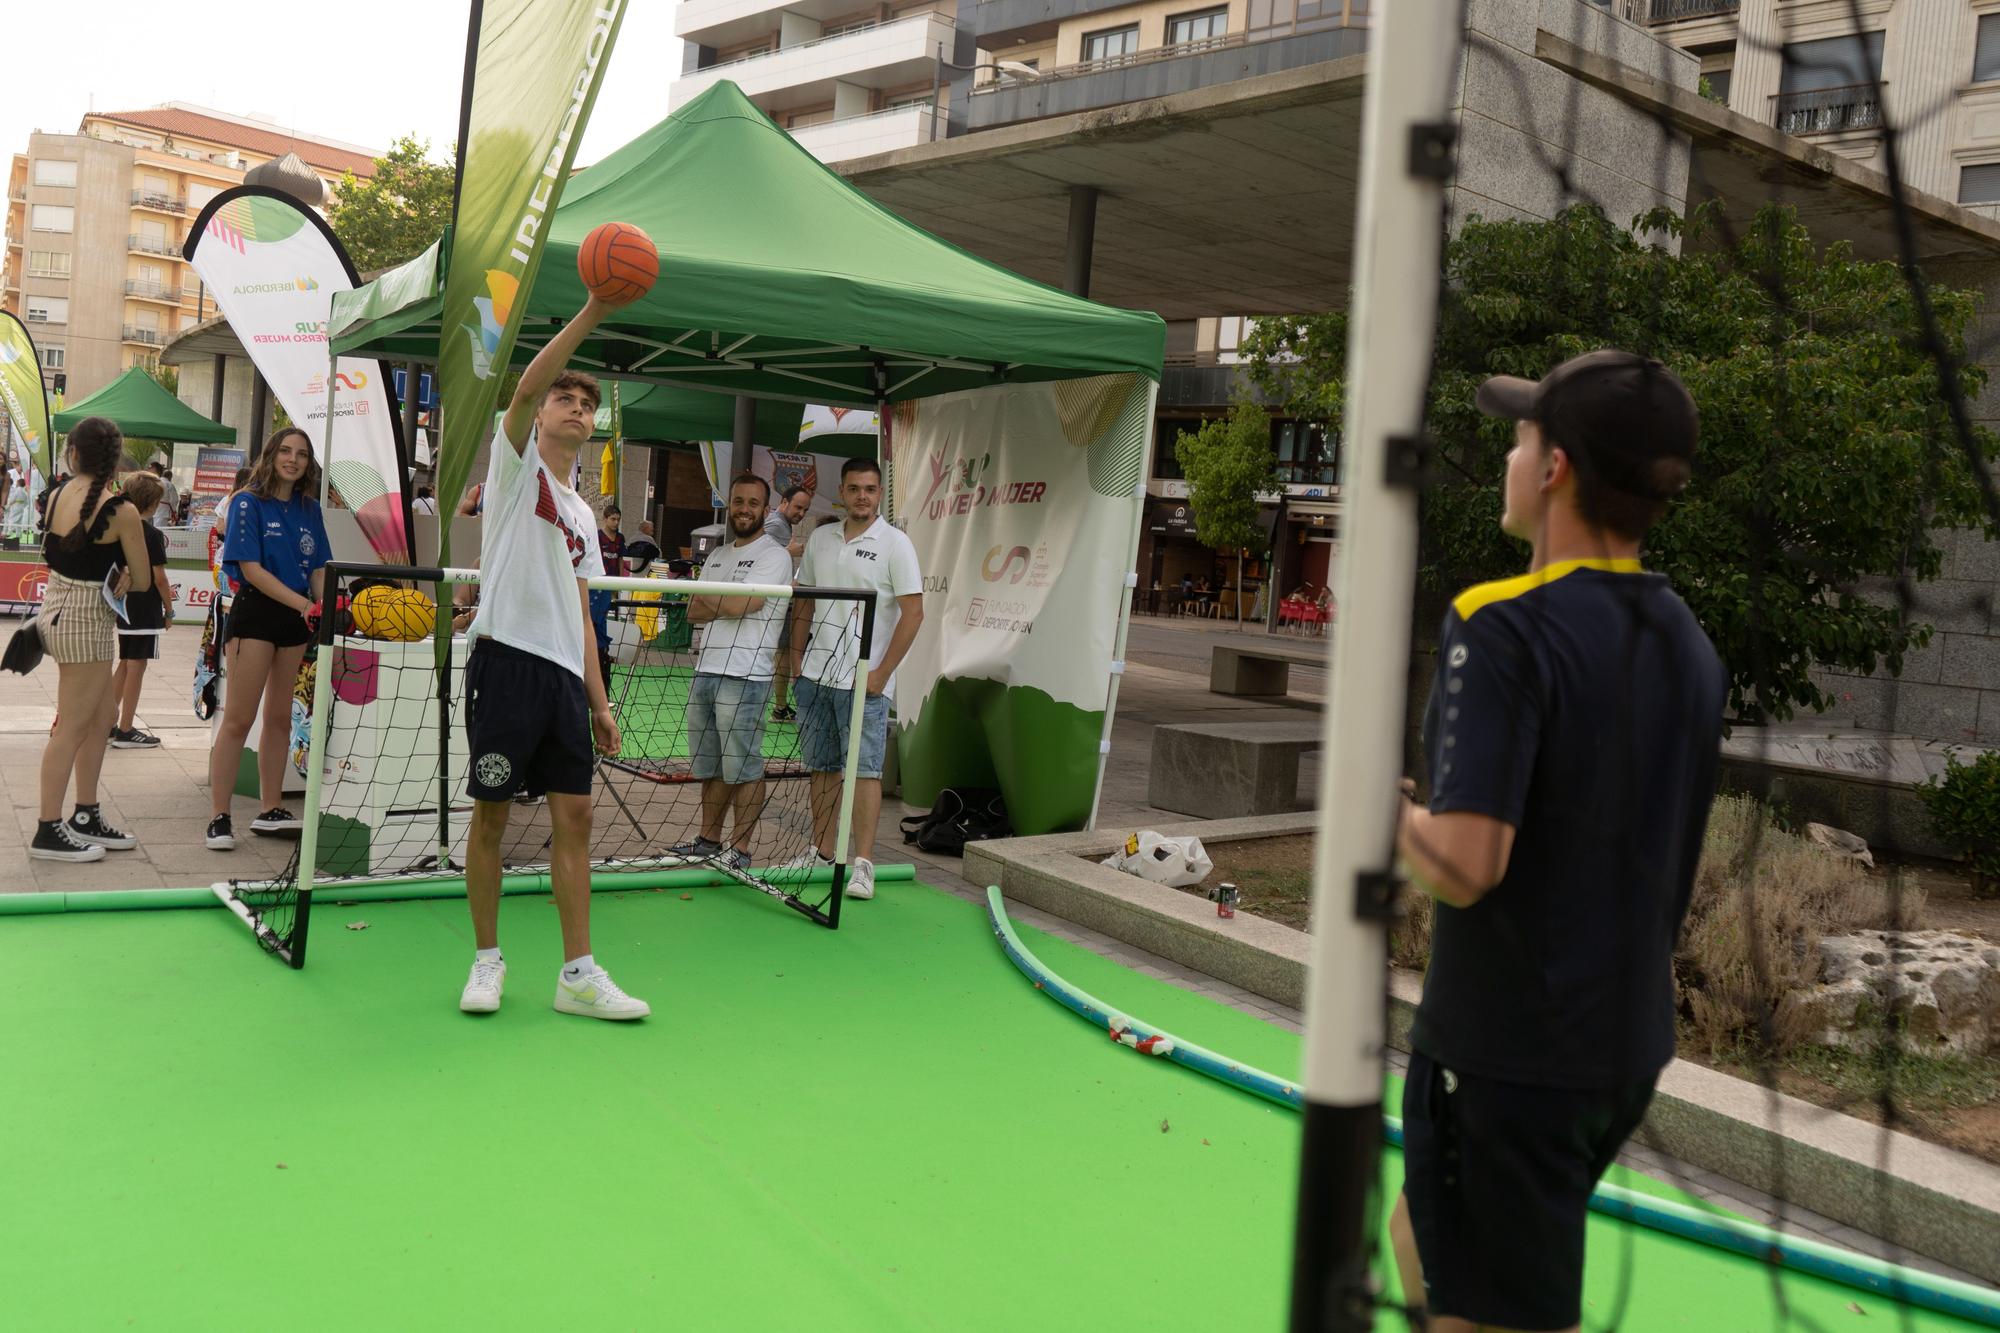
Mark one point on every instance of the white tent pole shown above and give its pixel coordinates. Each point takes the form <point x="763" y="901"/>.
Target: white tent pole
<point x="1123" y="634"/>
<point x="1413" y="52"/>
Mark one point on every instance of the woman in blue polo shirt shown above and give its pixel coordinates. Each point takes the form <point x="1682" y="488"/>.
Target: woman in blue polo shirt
<point x="275" y="550"/>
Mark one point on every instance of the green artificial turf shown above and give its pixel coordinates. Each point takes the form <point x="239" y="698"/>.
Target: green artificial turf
<point x="881" y="1128"/>
<point x="652" y="714"/>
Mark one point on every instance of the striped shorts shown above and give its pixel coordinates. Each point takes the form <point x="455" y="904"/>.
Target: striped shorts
<point x="76" y="622"/>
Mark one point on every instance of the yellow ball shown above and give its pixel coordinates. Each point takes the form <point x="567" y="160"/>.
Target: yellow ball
<point x="402" y="614"/>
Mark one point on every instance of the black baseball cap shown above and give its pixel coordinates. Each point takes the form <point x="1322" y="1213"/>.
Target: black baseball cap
<point x="1625" y="417"/>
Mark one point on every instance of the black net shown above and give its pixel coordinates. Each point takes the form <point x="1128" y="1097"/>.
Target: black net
<point x="709" y="782"/>
<point x="1838" y="543"/>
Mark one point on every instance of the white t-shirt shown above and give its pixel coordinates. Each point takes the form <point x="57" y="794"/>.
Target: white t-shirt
<point x="537" y="539"/>
<point x="745" y="646"/>
<point x="881" y="558"/>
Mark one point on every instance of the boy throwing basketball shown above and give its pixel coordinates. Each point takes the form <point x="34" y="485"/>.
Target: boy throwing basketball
<point x="534" y="691"/>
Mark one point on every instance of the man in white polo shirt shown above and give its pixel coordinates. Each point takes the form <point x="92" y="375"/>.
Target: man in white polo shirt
<point x="731" y="690"/>
<point x="862" y="552"/>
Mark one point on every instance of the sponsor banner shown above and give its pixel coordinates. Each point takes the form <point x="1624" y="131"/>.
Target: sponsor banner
<point x="194" y="595"/>
<point x="22" y="582"/>
<point x="273" y="267"/>
<point x="535" y="70"/>
<point x="1022" y="502"/>
<point x="21" y="388"/>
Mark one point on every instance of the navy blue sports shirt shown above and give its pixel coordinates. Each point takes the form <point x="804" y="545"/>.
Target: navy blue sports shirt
<point x="1581" y="704"/>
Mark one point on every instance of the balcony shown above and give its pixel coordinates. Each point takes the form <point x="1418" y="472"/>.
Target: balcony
<point x="146" y="337"/>
<point x="1673" y="11"/>
<point x="153" y="245"/>
<point x="864" y="136"/>
<point x="719" y="23"/>
<point x="18" y="193"/>
<point x="1093" y="84"/>
<point x="1854" y="106"/>
<point x="887" y="55"/>
<point x="140" y="290"/>
<point x="157" y="202"/>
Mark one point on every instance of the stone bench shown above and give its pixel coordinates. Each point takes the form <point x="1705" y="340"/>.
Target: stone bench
<point x="1223" y="770"/>
<point x="1258" y="672"/>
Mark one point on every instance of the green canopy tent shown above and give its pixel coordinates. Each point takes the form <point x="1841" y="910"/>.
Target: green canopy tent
<point x="778" y="280"/>
<point x="143" y="409"/>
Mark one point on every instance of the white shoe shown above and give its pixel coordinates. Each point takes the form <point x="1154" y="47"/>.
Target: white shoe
<point x="861" y="879"/>
<point x="482" y="989"/>
<point x="596" y="995"/>
<point x="809" y="859"/>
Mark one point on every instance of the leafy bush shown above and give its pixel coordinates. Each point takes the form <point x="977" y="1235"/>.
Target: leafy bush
<point x="1763" y="899"/>
<point x="1964" y="806"/>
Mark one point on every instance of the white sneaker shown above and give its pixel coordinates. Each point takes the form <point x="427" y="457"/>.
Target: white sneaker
<point x="809" y="859"/>
<point x="596" y="995"/>
<point x="861" y="879"/>
<point x="482" y="989"/>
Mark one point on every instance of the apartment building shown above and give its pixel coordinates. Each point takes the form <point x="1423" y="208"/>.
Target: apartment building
<point x="96" y="221"/>
<point x="845" y="81"/>
<point x="1809" y="68"/>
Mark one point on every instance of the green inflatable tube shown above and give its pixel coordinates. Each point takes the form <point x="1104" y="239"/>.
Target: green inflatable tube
<point x="392" y="890"/>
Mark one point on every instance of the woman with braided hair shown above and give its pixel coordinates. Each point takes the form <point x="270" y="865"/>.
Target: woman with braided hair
<point x="89" y="528"/>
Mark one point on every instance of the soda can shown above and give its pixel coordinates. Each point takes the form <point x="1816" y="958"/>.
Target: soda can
<point x="1226" y="899"/>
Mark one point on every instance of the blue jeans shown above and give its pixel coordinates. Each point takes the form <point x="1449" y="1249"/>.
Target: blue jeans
<point x="825" y="718"/>
<point x="725" y="724"/>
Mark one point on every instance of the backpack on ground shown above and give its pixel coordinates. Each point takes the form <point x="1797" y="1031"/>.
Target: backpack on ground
<point x="961" y="815"/>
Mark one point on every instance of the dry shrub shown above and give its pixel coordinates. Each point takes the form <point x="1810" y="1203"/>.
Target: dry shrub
<point x="1763" y="899"/>
<point x="1410" y="937"/>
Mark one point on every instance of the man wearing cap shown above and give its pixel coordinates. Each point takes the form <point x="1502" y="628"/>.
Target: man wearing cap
<point x="1571" y="739"/>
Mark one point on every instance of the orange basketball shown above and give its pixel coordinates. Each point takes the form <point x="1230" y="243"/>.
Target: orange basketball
<point x="618" y="262"/>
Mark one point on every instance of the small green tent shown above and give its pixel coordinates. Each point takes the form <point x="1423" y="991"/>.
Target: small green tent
<point x="778" y="279"/>
<point x="143" y="409"/>
<point x="669" y="414"/>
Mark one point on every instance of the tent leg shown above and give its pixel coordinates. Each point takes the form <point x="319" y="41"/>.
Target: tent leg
<point x="742" y="438"/>
<point x="1082" y="238"/>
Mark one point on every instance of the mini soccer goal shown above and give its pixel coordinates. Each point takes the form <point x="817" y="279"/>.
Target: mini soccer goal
<point x="711" y="774"/>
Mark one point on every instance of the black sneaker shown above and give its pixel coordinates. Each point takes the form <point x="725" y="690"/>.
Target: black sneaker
<point x="277" y="822"/>
<point x="701" y="849"/>
<point x="54" y="842"/>
<point x="87" y="825"/>
<point x="786" y="714"/>
<point x="221" y="838"/>
<point x="134" y="739"/>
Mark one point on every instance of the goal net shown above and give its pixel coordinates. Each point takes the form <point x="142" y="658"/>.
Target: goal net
<point x="712" y="781"/>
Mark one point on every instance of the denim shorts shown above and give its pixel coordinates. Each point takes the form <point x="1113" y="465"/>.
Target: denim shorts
<point x="725" y="723"/>
<point x="824" y="717"/>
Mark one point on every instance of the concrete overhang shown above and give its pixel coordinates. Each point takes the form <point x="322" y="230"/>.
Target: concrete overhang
<point x="200" y="342"/>
<point x="1747" y="163"/>
<point x="1231" y="199"/>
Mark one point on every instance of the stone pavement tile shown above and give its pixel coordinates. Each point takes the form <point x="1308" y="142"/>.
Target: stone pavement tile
<point x="118" y="870"/>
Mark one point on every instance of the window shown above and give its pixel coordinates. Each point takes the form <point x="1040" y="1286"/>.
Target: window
<point x="910" y="100"/>
<point x="1111" y="42"/>
<point x="199" y="195"/>
<point x="1979" y="183"/>
<point x="48" y="263"/>
<point x="836" y="29"/>
<point x="52" y="357"/>
<point x="54" y="217"/>
<point x="153" y="236"/>
<point x="48" y="310"/>
<point x="147" y="319"/>
<point x="1718" y="85"/>
<point x="1831" y="62"/>
<point x="1306" y="457"/>
<point x="1986" y="50"/>
<point x="1197" y="27"/>
<point x="55" y="171"/>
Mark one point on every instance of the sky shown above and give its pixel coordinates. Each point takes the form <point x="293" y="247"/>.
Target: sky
<point x="365" y="72"/>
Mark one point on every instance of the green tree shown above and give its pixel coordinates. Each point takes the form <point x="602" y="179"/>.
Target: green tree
<point x="1228" y="464"/>
<point x="1827" y="456"/>
<point x="397" y="214"/>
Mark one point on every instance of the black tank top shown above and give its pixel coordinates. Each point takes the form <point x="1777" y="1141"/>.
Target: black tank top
<point x="95" y="560"/>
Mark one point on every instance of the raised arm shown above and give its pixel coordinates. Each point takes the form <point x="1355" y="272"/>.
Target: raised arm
<point x="550" y="362"/>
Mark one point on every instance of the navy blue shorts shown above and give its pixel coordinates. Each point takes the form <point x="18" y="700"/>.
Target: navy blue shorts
<point x="527" y="727"/>
<point x="1498" y="1176"/>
